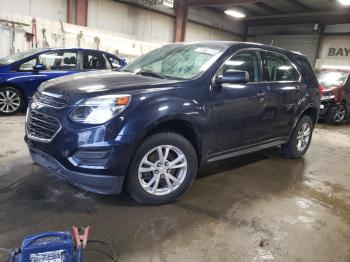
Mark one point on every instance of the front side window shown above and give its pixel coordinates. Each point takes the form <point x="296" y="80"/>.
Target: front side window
<point x="59" y="60"/>
<point x="249" y="61"/>
<point x="94" y="61"/>
<point x="28" y="66"/>
<point x="177" y="61"/>
<point x="280" y="68"/>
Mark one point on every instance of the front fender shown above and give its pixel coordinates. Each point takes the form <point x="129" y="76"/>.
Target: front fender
<point x="151" y="114"/>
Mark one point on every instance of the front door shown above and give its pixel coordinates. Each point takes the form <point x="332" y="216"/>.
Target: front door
<point x="239" y="109"/>
<point x="58" y="63"/>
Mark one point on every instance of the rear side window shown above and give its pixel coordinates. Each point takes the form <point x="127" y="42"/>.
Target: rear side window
<point x="249" y="61"/>
<point x="115" y="63"/>
<point x="94" y="61"/>
<point x="280" y="68"/>
<point x="307" y="69"/>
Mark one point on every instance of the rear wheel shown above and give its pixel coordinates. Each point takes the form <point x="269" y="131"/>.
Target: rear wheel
<point x="337" y="114"/>
<point x="164" y="166"/>
<point x="11" y="101"/>
<point x="300" y="139"/>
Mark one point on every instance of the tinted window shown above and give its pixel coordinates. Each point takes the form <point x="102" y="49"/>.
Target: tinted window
<point x="280" y="68"/>
<point x="59" y="60"/>
<point x="94" y="61"/>
<point x="249" y="61"/>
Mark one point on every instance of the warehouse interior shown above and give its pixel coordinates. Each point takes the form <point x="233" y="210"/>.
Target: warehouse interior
<point x="252" y="207"/>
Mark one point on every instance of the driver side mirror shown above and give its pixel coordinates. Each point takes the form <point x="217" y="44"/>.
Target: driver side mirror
<point x="233" y="77"/>
<point x="39" y="67"/>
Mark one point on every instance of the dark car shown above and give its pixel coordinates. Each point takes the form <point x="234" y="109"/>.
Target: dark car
<point x="22" y="73"/>
<point x="335" y="100"/>
<point x="150" y="126"/>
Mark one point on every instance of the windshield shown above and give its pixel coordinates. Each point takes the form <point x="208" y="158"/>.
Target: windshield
<point x="331" y="78"/>
<point x="18" y="56"/>
<point x="183" y="61"/>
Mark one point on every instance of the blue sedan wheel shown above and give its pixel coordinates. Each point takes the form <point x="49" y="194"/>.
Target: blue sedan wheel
<point x="11" y="101"/>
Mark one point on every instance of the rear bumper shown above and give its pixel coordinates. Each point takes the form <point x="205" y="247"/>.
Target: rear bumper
<point x="326" y="105"/>
<point x="101" y="184"/>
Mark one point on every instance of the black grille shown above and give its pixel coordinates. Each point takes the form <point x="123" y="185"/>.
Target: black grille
<point x="42" y="126"/>
<point x="50" y="100"/>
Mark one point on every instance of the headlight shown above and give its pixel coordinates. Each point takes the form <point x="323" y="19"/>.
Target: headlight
<point x="99" y="110"/>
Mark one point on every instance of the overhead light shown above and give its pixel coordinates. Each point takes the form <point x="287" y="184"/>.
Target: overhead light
<point x="344" y="2"/>
<point x="235" y="13"/>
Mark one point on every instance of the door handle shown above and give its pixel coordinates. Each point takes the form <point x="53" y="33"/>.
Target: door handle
<point x="298" y="88"/>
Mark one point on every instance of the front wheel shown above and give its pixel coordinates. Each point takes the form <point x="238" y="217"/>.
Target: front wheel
<point x="163" y="167"/>
<point x="300" y="140"/>
<point x="11" y="101"/>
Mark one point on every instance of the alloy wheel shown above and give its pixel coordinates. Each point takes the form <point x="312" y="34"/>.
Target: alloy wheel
<point x="340" y="113"/>
<point x="10" y="101"/>
<point x="303" y="137"/>
<point x="162" y="170"/>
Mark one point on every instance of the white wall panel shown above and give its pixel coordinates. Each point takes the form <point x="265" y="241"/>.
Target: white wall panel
<point x="340" y="53"/>
<point x="49" y="9"/>
<point x="131" y="21"/>
<point x="196" y="32"/>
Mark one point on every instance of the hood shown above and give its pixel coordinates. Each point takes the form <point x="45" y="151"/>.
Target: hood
<point x="85" y="85"/>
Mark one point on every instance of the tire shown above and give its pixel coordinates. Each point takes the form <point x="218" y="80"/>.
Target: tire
<point x="294" y="148"/>
<point x="181" y="175"/>
<point x="337" y="114"/>
<point x="11" y="101"/>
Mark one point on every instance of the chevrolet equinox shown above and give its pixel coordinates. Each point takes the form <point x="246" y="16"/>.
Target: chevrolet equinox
<point x="150" y="126"/>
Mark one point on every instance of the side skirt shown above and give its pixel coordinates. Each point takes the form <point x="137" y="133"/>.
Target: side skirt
<point x="248" y="149"/>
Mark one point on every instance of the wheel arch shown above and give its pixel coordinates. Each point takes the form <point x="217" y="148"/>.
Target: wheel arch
<point x="178" y="125"/>
<point x="311" y="112"/>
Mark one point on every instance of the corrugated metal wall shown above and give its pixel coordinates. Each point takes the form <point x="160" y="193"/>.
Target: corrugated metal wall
<point x="305" y="44"/>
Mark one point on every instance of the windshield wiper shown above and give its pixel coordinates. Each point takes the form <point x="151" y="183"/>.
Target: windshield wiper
<point x="150" y="73"/>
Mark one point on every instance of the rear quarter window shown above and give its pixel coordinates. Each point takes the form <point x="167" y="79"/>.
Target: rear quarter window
<point x="306" y="69"/>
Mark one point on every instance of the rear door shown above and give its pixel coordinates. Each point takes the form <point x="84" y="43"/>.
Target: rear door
<point x="286" y="91"/>
<point x="238" y="112"/>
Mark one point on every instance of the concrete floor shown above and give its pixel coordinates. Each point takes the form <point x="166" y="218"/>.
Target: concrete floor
<point x="253" y="208"/>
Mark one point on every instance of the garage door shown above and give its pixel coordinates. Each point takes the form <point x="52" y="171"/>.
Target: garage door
<point x="305" y="44"/>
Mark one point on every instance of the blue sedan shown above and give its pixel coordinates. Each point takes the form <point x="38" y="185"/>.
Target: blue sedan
<point x="22" y="73"/>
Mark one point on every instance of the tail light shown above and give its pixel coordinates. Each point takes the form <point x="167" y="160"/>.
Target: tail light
<point x="321" y="89"/>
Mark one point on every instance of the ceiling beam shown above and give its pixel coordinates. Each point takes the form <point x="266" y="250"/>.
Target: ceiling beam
<point x="322" y="17"/>
<point x="219" y="2"/>
<point x="300" y="5"/>
<point x="248" y="11"/>
<point x="268" y="8"/>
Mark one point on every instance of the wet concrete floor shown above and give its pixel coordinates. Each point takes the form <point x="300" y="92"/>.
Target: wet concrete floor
<point x="257" y="207"/>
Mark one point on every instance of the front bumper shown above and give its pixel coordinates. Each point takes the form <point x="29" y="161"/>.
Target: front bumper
<point x="102" y="184"/>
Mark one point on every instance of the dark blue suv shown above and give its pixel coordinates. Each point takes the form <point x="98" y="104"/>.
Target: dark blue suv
<point x="150" y="126"/>
<point x="22" y="73"/>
